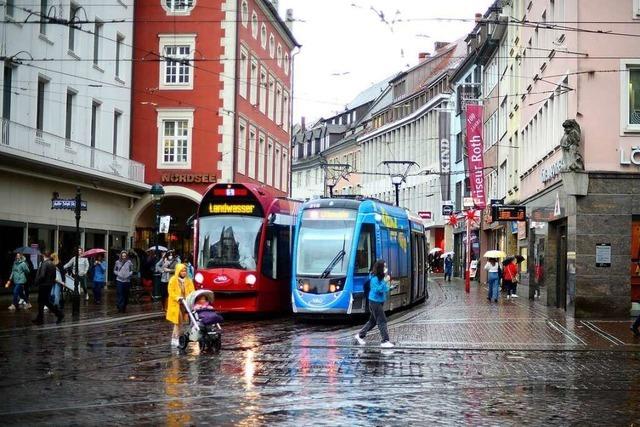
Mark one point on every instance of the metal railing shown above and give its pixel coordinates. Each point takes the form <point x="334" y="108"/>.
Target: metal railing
<point x="18" y="137"/>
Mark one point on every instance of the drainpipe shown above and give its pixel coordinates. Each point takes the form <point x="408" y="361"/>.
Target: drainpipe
<point x="293" y="55"/>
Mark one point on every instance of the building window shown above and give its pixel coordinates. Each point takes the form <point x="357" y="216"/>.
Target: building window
<point x="95" y="124"/>
<point x="7" y="91"/>
<point x="278" y="168"/>
<point x="116" y="130"/>
<point x="263" y="91"/>
<point x="286" y="63"/>
<point x="178" y="7"/>
<point x="270" y="163"/>
<point x="43" y="16"/>
<point x="9" y="9"/>
<point x="253" y="83"/>
<point x="68" y="128"/>
<point x="252" y="153"/>
<point x="242" y="147"/>
<point x="285" y="171"/>
<point x="285" y="114"/>
<point x="630" y="96"/>
<point x="636" y="9"/>
<point x="73" y="11"/>
<point x="272" y="96"/>
<point x="272" y="46"/>
<point x="42" y="87"/>
<point x="244" y="11"/>
<point x="97" y="42"/>
<point x="119" y="43"/>
<point x="263" y="36"/>
<point x="176" y="68"/>
<point x="254" y="25"/>
<point x="174" y="139"/>
<point x="244" y="61"/>
<point x="278" y="118"/>
<point x="261" y="160"/>
<point x="279" y="55"/>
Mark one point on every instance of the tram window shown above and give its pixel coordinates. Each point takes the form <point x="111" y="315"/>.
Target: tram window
<point x="365" y="253"/>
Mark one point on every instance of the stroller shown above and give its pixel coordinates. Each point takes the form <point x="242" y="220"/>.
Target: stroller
<point x="208" y="337"/>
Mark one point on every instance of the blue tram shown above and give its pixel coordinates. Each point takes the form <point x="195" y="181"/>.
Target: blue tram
<point x="336" y="243"/>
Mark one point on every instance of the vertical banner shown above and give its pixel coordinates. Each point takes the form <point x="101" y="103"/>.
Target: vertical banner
<point x="445" y="154"/>
<point x="475" y="161"/>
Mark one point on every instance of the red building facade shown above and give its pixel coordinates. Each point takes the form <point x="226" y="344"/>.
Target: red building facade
<point x="211" y="100"/>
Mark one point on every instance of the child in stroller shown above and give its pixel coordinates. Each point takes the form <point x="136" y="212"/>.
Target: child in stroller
<point x="204" y="321"/>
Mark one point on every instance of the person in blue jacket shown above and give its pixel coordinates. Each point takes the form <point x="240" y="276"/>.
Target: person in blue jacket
<point x="379" y="287"/>
<point x="99" y="277"/>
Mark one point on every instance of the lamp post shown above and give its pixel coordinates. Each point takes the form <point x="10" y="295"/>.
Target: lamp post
<point x="396" y="180"/>
<point x="76" y="292"/>
<point x="157" y="192"/>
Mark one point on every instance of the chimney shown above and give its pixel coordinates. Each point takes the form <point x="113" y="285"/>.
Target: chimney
<point x="423" y="56"/>
<point x="288" y="20"/>
<point x="302" y="123"/>
<point x="478" y="17"/>
<point x="440" y="45"/>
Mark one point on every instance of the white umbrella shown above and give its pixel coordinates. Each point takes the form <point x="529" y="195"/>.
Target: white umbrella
<point x="434" y="251"/>
<point x="494" y="254"/>
<point x="444" y="255"/>
<point x="160" y="248"/>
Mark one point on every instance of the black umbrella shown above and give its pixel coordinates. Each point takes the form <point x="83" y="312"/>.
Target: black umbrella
<point x="508" y="260"/>
<point x="519" y="258"/>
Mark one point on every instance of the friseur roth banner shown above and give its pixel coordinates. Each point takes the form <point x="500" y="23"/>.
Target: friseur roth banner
<point x="475" y="161"/>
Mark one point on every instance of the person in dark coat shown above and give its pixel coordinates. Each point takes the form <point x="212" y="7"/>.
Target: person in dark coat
<point x="45" y="279"/>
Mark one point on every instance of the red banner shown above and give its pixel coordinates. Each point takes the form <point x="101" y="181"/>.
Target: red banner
<point x="475" y="149"/>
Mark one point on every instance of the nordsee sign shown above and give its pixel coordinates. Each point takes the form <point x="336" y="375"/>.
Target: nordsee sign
<point x="550" y="172"/>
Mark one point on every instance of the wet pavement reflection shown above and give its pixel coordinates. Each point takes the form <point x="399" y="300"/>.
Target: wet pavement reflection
<point x="458" y="361"/>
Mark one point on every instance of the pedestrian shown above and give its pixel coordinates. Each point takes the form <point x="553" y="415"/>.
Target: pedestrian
<point x="510" y="278"/>
<point x="378" y="289"/>
<point x="635" y="328"/>
<point x="30" y="277"/>
<point x="99" y="277"/>
<point x="448" y="267"/>
<point x="166" y="267"/>
<point x="19" y="277"/>
<point x="83" y="268"/>
<point x="58" y="286"/>
<point x="179" y="287"/>
<point x="538" y="278"/>
<point x="45" y="279"/>
<point x="189" y="264"/>
<point x="493" y="270"/>
<point x="123" y="271"/>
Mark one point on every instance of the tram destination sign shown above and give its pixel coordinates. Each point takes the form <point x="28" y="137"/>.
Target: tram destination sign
<point x="509" y="213"/>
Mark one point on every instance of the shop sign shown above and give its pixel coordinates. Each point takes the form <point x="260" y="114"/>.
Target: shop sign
<point x="425" y="215"/>
<point x="509" y="213"/>
<point x="445" y="154"/>
<point x="633" y="157"/>
<point x="551" y="172"/>
<point x="188" y="178"/>
<point x="447" y="209"/>
<point x="522" y="230"/>
<point x="475" y="149"/>
<point x="603" y="254"/>
<point x="467" y="202"/>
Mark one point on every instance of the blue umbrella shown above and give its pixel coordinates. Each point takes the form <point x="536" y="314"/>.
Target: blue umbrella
<point x="24" y="250"/>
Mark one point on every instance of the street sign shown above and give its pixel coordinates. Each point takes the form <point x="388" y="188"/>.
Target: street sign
<point x="164" y="224"/>
<point x="67" y="204"/>
<point x="509" y="212"/>
<point x="425" y="214"/>
<point x="447" y="209"/>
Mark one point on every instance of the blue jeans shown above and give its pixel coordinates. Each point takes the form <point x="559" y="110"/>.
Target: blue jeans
<point x="122" y="295"/>
<point x="97" y="291"/>
<point x="494" y="285"/>
<point x="18" y="292"/>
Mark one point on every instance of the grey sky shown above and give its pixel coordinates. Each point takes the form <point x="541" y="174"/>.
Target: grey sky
<point x="347" y="46"/>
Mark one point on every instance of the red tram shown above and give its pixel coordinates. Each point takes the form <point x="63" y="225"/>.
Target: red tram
<point x="243" y="245"/>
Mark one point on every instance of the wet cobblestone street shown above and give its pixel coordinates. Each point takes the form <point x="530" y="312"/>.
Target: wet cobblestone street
<point x="458" y="360"/>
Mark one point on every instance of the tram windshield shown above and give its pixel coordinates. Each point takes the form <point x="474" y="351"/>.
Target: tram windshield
<point x="229" y="241"/>
<point x="324" y="242"/>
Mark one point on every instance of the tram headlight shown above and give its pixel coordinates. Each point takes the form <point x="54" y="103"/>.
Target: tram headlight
<point x="250" y="279"/>
<point x="199" y="278"/>
<point x="303" y="285"/>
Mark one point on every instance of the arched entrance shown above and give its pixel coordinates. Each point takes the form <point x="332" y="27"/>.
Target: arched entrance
<point x="179" y="203"/>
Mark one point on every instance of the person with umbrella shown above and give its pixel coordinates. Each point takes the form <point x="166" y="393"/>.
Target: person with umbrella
<point x="99" y="277"/>
<point x="493" y="268"/>
<point x="510" y="276"/>
<point x="448" y="267"/>
<point x="83" y="268"/>
<point x="19" y="276"/>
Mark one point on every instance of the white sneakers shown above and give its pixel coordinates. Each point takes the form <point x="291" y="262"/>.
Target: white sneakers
<point x="514" y="296"/>
<point x="175" y="342"/>
<point x="12" y="307"/>
<point x="508" y="296"/>
<point x="86" y="298"/>
<point x="360" y="340"/>
<point x="386" y="344"/>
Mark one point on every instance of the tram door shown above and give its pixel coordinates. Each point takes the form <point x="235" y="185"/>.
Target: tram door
<point x="415" y="270"/>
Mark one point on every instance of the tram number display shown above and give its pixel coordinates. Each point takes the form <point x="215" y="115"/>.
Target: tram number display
<point x="509" y="213"/>
<point x="233" y="209"/>
<point x="329" y="214"/>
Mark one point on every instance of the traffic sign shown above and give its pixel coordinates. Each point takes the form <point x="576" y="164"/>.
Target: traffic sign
<point x="67" y="204"/>
<point x="425" y="214"/>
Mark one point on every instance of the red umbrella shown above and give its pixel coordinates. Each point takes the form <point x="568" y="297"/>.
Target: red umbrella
<point x="93" y="252"/>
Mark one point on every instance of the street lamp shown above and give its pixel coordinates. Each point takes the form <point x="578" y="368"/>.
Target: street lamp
<point x="157" y="193"/>
<point x="396" y="180"/>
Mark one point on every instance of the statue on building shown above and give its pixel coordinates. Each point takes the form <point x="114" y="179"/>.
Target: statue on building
<point x="570" y="144"/>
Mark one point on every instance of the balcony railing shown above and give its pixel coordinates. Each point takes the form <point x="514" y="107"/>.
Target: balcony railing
<point x="18" y="139"/>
